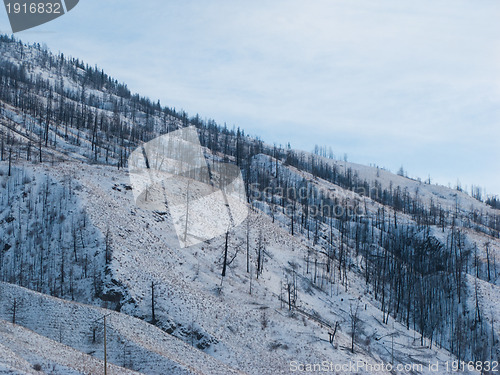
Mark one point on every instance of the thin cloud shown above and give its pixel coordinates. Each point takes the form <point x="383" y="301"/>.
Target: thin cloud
<point x="391" y="82"/>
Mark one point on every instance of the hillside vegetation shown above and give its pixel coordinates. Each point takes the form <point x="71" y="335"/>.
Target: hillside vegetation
<point x="336" y="261"/>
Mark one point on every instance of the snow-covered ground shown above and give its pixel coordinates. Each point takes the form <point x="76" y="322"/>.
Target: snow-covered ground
<point x="254" y="333"/>
<point x="58" y="333"/>
<point x="70" y="229"/>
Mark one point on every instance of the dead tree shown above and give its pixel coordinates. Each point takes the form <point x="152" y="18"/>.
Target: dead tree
<point x="153" y="318"/>
<point x="331" y="335"/>
<point x="10" y="161"/>
<point x="107" y="242"/>
<point x="225" y="255"/>
<point x="354" y="315"/>
<point x="14" y="309"/>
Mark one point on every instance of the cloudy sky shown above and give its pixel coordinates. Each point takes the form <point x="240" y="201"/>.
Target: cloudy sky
<point x="388" y="82"/>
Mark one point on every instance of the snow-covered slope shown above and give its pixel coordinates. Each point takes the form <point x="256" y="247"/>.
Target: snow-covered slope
<point x="226" y="321"/>
<point x="24" y="351"/>
<point x="63" y="326"/>
<point x="70" y="229"/>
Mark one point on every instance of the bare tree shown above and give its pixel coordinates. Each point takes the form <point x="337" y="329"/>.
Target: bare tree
<point x="354" y="316"/>
<point x="153" y="317"/>
<point x="107" y="242"/>
<point x="225" y="255"/>
<point x="487" y="248"/>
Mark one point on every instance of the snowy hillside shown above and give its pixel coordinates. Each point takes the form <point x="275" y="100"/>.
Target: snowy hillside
<point x="337" y="263"/>
<point x="192" y="305"/>
<point x="61" y="327"/>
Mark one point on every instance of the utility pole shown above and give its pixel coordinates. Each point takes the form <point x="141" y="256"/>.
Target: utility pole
<point x="105" y="354"/>
<point x="105" y="349"/>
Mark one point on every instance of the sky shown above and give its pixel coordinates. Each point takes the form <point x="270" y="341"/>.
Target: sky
<point x="387" y="82"/>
